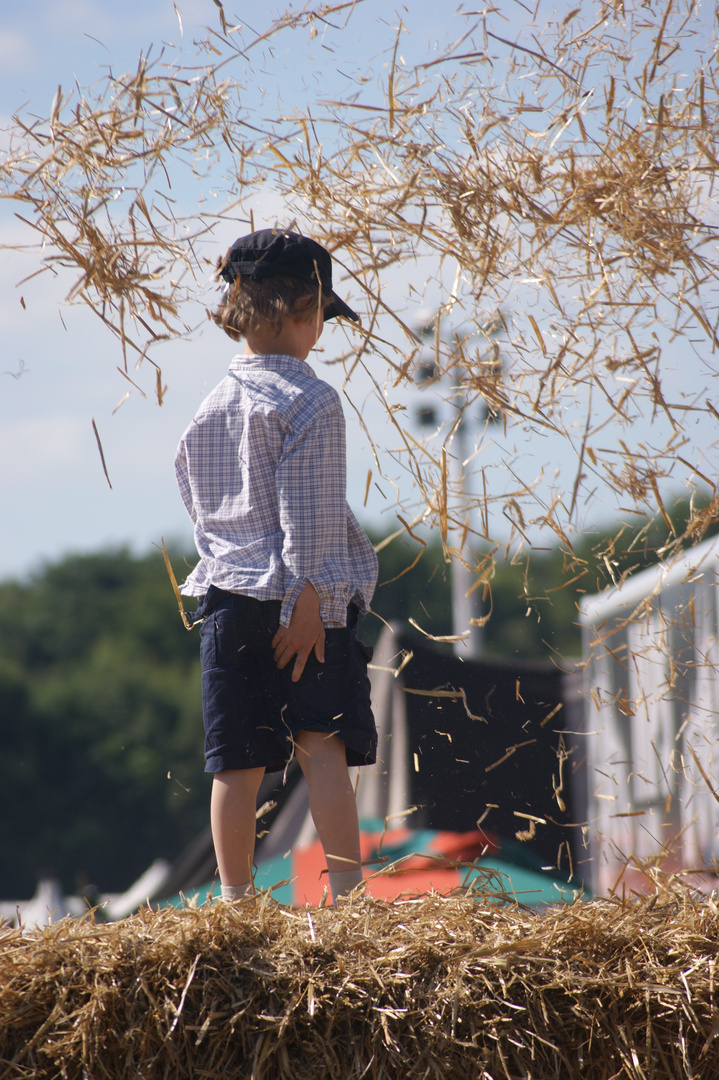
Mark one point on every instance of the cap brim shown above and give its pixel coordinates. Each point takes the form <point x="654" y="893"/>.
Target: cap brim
<point x="339" y="308"/>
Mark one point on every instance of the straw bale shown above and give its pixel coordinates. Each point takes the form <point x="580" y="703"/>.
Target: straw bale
<point x="435" y="987"/>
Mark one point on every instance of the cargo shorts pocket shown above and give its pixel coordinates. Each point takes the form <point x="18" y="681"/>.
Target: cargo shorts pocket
<point x="219" y="638"/>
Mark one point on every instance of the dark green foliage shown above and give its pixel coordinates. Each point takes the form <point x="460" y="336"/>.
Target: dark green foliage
<point x="100" y="720"/>
<point x="422" y="592"/>
<point x="525" y="619"/>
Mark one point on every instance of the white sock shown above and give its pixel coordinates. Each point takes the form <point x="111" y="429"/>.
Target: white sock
<point x="343" y="882"/>
<point x="228" y="893"/>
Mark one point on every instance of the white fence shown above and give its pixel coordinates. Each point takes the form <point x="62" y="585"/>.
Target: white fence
<point x="651" y="688"/>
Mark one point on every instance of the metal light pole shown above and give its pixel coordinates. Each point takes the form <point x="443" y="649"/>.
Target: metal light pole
<point x="466" y="597"/>
<point x="466" y="600"/>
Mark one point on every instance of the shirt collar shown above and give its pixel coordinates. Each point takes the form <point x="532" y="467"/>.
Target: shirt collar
<point x="272" y="362"/>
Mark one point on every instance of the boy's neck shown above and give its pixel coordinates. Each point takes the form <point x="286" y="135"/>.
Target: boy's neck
<point x="296" y="338"/>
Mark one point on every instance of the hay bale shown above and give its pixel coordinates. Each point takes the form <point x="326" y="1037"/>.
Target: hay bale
<point x="435" y="987"/>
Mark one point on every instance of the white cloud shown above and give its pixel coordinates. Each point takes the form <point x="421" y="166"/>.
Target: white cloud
<point x="107" y="23"/>
<point x="17" y="52"/>
<point x="41" y="451"/>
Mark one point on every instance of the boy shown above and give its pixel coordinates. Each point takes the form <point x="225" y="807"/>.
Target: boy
<point x="284" y="566"/>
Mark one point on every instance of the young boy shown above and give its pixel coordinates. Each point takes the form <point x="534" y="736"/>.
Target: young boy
<point x="284" y="566"/>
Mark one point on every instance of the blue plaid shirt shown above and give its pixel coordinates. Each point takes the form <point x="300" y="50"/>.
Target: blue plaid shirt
<point x="262" y="472"/>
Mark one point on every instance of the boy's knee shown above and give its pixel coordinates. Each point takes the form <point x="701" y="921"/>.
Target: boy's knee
<point x="312" y="743"/>
<point x="321" y="757"/>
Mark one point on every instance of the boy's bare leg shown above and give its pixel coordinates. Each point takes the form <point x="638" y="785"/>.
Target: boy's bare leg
<point x="334" y="809"/>
<point x="233" y="806"/>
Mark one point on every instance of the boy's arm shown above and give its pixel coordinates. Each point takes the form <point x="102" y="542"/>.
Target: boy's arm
<point x="305" y="632"/>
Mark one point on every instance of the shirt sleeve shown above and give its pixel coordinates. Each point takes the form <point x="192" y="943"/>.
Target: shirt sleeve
<point x="311" y="480"/>
<point x="183" y="480"/>
<point x="363" y="560"/>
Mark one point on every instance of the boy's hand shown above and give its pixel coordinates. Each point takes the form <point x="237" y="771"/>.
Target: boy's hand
<point x="305" y="632"/>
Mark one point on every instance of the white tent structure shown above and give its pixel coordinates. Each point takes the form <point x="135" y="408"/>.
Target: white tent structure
<point x="651" y="687"/>
<point x="50" y="904"/>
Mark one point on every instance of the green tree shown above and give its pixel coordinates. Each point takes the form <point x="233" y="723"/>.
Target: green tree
<point x="100" y="717"/>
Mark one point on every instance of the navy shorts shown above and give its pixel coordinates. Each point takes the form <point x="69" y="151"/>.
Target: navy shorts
<point x="252" y="711"/>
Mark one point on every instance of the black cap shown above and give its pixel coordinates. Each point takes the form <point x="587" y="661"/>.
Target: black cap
<point x="272" y="252"/>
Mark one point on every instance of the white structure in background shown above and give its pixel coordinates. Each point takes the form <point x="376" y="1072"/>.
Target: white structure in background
<point x="651" y="688"/>
<point x="49" y="904"/>
<point x="46" y="907"/>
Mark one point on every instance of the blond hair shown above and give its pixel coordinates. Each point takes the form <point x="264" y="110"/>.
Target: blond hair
<point x="249" y="305"/>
